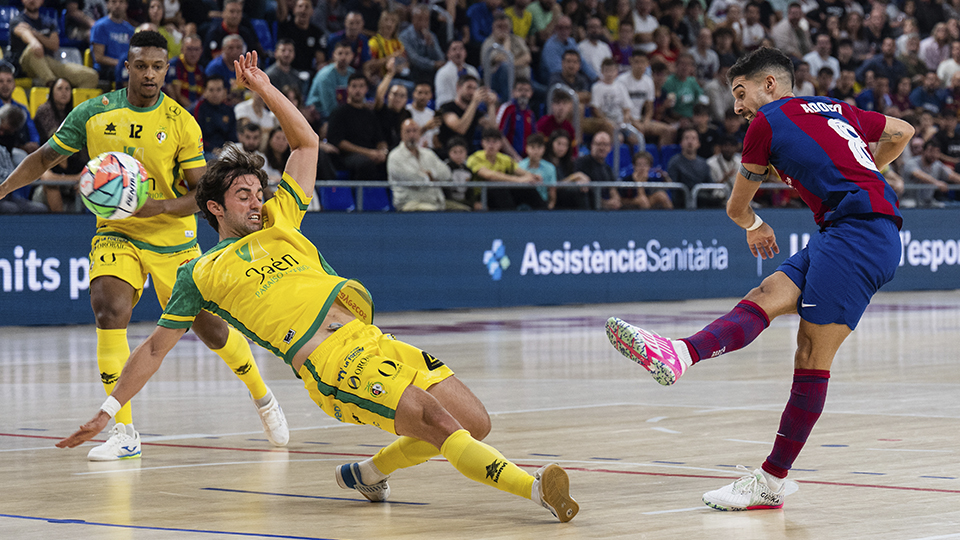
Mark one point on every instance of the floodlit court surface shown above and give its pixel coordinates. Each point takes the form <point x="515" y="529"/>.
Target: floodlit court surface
<point x="882" y="463"/>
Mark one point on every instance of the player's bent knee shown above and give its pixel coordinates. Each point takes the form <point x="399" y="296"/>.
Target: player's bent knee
<point x="212" y="330"/>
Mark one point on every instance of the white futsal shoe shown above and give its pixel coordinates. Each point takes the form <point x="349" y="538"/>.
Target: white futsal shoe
<point x="348" y="477"/>
<point x="665" y="359"/>
<point x="273" y="420"/>
<point x="123" y="443"/>
<point x="551" y="490"/>
<point x="750" y="492"/>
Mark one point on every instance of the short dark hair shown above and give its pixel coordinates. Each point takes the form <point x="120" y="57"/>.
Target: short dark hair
<point x="568" y="52"/>
<point x="212" y="78"/>
<point x="357" y="76"/>
<point x="638" y="52"/>
<point x="342" y="44"/>
<point x="683" y="131"/>
<point x="536" y="139"/>
<point x="560" y="97"/>
<point x="250" y="126"/>
<point x="455" y="142"/>
<point x="14" y="116"/>
<point x="286" y="41"/>
<point x="521" y="80"/>
<point x="764" y="59"/>
<point x="6" y="67"/>
<point x="607" y="62"/>
<point x="148" y="38"/>
<point x="220" y="175"/>
<point x="700" y="109"/>
<point x="465" y="78"/>
<point x="491" y="133"/>
<point x="643" y="154"/>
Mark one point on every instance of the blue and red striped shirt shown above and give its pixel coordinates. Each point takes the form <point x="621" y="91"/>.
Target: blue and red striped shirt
<point x="819" y="146"/>
<point x="516" y="125"/>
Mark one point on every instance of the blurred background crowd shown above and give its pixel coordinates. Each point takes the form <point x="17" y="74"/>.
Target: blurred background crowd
<point x="550" y="96"/>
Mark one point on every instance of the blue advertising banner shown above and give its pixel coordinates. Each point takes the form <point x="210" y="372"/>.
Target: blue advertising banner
<point x="461" y="260"/>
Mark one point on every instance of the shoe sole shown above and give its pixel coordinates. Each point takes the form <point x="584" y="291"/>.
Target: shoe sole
<point x="734" y="509"/>
<point x="625" y="341"/>
<point x="269" y="432"/>
<point x="118" y="458"/>
<point x="555" y="485"/>
<point x="343" y="484"/>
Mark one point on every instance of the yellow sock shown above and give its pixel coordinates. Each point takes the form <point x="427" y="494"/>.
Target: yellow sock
<point x="236" y="353"/>
<point x="483" y="463"/>
<point x="402" y="453"/>
<point x="112" y="353"/>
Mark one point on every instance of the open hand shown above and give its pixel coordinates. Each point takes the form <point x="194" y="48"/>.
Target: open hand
<point x="248" y="74"/>
<point x="86" y="431"/>
<point x="762" y="242"/>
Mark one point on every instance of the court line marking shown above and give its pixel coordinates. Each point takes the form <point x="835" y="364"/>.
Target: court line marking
<point x="665" y="430"/>
<point x="704" y="507"/>
<point x="57" y="521"/>
<point x="364" y="500"/>
<point x="192" y="465"/>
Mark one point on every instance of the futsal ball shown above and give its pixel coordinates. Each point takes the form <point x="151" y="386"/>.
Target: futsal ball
<point x="113" y="185"/>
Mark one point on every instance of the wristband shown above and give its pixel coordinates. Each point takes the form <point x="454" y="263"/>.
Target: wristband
<point x="111" y="406"/>
<point x="757" y="222"/>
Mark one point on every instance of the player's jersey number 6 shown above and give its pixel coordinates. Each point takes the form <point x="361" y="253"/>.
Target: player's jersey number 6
<point x="856" y="144"/>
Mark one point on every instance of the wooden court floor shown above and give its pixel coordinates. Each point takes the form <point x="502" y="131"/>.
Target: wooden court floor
<point x="882" y="463"/>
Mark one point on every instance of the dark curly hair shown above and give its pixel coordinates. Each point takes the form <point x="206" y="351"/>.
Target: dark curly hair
<point x="218" y="178"/>
<point x="148" y="38"/>
<point x="762" y="60"/>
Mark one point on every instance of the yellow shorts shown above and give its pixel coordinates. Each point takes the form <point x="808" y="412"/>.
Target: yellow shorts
<point x="120" y="258"/>
<point x="358" y="374"/>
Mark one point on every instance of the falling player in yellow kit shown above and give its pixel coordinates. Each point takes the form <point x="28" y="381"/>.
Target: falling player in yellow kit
<point x="141" y="121"/>
<point x="269" y="281"/>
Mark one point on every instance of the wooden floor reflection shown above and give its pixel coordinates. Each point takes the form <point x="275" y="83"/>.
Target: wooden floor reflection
<point x="882" y="463"/>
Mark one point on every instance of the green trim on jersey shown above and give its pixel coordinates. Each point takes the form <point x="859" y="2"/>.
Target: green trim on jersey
<point x="346" y="397"/>
<point x="186" y="303"/>
<point x="150" y="247"/>
<point x="286" y="187"/>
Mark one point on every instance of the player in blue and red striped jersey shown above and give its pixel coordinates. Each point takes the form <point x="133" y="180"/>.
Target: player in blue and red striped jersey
<point x="515" y="118"/>
<point x="819" y="146"/>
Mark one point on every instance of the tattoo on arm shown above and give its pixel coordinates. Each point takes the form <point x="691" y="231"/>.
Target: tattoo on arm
<point x="886" y="136"/>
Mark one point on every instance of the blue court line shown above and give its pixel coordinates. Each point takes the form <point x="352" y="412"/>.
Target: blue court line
<point x="312" y="442"/>
<point x="834" y="445"/>
<point x="145" y="528"/>
<point x="668" y="462"/>
<point x="606" y="458"/>
<point x="941" y="477"/>
<point x="546" y="455"/>
<point x="870" y="473"/>
<point x="32" y="429"/>
<point x="306" y="496"/>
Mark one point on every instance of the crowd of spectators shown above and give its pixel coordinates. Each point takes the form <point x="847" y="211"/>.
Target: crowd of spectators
<point x="456" y="91"/>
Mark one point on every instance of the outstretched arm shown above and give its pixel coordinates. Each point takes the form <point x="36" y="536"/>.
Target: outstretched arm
<point x="31" y="168"/>
<point x="143" y="363"/>
<point x="762" y="240"/>
<point x="304" y="141"/>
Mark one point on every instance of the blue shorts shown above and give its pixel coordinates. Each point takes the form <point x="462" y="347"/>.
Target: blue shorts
<point x="842" y="267"/>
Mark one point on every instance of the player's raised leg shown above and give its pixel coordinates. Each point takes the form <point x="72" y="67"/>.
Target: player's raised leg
<point x="233" y="348"/>
<point x="112" y="300"/>
<point x="668" y="359"/>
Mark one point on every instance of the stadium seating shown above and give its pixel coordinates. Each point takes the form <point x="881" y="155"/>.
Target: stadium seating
<point x="337" y="199"/>
<point x="6" y="15"/>
<point x="264" y="34"/>
<point x="38" y="96"/>
<point x="82" y="94"/>
<point x="668" y="152"/>
<point x="376" y="199"/>
<point x="20" y="96"/>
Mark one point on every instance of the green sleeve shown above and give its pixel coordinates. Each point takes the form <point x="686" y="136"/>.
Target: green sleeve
<point x="185" y="300"/>
<point x="71" y="137"/>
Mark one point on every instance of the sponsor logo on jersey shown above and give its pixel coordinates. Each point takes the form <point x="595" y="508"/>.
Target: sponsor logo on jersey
<point x="161" y="135"/>
<point x="388" y="368"/>
<point x="289" y="337"/>
<point x="111" y="129"/>
<point x="376" y="390"/>
<point x="275" y="266"/>
<point x="353" y="382"/>
<point x="105" y="101"/>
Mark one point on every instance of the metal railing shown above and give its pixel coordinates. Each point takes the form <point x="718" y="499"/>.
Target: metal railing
<point x="507" y="63"/>
<point x="596" y="187"/>
<point x="641" y="143"/>
<point x="578" y="133"/>
<point x="445" y="15"/>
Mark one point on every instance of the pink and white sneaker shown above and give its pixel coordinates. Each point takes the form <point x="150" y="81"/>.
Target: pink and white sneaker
<point x="665" y="359"/>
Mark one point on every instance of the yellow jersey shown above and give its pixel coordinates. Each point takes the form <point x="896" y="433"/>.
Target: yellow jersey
<point x="165" y="138"/>
<point x="272" y="285"/>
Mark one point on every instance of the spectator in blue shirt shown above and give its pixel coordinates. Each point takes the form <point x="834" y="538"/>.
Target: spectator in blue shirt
<point x="216" y="118"/>
<point x="329" y="87"/>
<point x="553" y="49"/>
<point x="929" y="96"/>
<point x="110" y="38"/>
<point x="25" y="137"/>
<point x="232" y="49"/>
<point x="884" y="64"/>
<point x="422" y="46"/>
<point x="351" y="33"/>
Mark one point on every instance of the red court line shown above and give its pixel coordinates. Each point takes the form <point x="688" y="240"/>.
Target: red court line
<point x="529" y="466"/>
